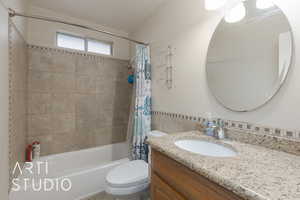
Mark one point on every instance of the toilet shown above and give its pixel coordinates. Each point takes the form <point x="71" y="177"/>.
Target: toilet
<point x="130" y="181"/>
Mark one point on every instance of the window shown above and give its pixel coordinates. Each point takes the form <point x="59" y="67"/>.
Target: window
<point x="84" y="44"/>
<point x="70" y="41"/>
<point x="95" y="46"/>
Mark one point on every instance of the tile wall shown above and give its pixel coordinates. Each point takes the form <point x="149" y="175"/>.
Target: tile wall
<point x="75" y="100"/>
<point x="18" y="72"/>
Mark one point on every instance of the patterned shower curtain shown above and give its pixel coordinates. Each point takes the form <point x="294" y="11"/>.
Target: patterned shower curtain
<point x="142" y="107"/>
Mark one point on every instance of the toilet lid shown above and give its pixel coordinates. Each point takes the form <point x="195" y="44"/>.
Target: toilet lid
<point x="128" y="174"/>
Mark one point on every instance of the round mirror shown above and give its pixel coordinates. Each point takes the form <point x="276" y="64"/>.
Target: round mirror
<point x="248" y="60"/>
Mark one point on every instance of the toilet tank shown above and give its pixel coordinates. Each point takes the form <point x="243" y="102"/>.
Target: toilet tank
<point x="156" y="133"/>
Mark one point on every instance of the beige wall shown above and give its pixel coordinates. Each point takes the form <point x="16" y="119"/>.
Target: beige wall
<point x="189" y="34"/>
<point x="44" y="33"/>
<point x="4" y="105"/>
<point x="21" y="6"/>
<point x="76" y="101"/>
<point x="4" y="94"/>
<point x="18" y="72"/>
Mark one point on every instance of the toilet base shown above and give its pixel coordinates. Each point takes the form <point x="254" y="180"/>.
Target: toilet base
<point x="134" y="198"/>
<point x="143" y="195"/>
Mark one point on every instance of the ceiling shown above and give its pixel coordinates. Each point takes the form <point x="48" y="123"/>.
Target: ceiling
<point x="125" y="15"/>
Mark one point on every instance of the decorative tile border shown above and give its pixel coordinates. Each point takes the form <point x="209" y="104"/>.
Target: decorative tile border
<point x="237" y="125"/>
<point x="10" y="122"/>
<point x="92" y="56"/>
<point x="15" y="117"/>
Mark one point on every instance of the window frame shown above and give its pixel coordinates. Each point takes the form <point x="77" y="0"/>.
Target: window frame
<point x="85" y="40"/>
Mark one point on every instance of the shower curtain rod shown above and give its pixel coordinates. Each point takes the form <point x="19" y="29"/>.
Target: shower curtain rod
<point x="13" y="13"/>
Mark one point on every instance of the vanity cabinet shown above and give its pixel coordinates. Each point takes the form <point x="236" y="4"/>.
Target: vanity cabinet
<point x="162" y="191"/>
<point x="171" y="180"/>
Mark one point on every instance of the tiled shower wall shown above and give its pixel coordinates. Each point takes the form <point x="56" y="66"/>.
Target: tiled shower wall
<point x="18" y="72"/>
<point x="76" y="101"/>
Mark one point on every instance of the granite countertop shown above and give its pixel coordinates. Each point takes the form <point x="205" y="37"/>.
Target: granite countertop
<point x="256" y="173"/>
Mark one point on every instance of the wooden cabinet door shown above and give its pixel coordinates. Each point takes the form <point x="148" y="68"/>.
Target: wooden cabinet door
<point x="162" y="191"/>
<point x="183" y="182"/>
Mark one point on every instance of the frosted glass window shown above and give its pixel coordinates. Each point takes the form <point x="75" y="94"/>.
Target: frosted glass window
<point x="70" y="42"/>
<point x="95" y="46"/>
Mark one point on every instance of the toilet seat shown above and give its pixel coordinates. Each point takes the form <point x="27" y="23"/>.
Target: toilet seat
<point x="128" y="178"/>
<point x="129" y="174"/>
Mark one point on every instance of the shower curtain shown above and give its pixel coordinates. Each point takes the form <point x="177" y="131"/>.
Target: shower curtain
<point x="141" y="116"/>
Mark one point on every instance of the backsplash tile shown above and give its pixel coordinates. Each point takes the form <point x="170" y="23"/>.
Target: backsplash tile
<point x="232" y="125"/>
<point x="290" y="134"/>
<point x="278" y="132"/>
<point x="269" y="137"/>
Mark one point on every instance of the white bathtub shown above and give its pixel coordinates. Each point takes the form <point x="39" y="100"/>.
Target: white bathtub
<point x="86" y="169"/>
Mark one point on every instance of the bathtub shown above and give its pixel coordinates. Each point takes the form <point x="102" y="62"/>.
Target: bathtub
<point x="76" y="175"/>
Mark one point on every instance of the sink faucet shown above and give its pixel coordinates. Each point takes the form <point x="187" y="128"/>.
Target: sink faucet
<point x="217" y="130"/>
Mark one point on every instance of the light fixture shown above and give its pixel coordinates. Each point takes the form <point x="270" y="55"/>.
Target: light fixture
<point x="235" y="14"/>
<point x="264" y="4"/>
<point x="214" y="4"/>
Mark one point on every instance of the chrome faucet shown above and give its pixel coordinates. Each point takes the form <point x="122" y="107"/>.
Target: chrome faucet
<point x="218" y="130"/>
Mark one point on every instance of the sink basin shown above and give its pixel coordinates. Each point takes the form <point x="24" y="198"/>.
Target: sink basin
<point x="205" y="148"/>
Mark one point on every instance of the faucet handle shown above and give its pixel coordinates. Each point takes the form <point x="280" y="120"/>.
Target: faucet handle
<point x="216" y="132"/>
